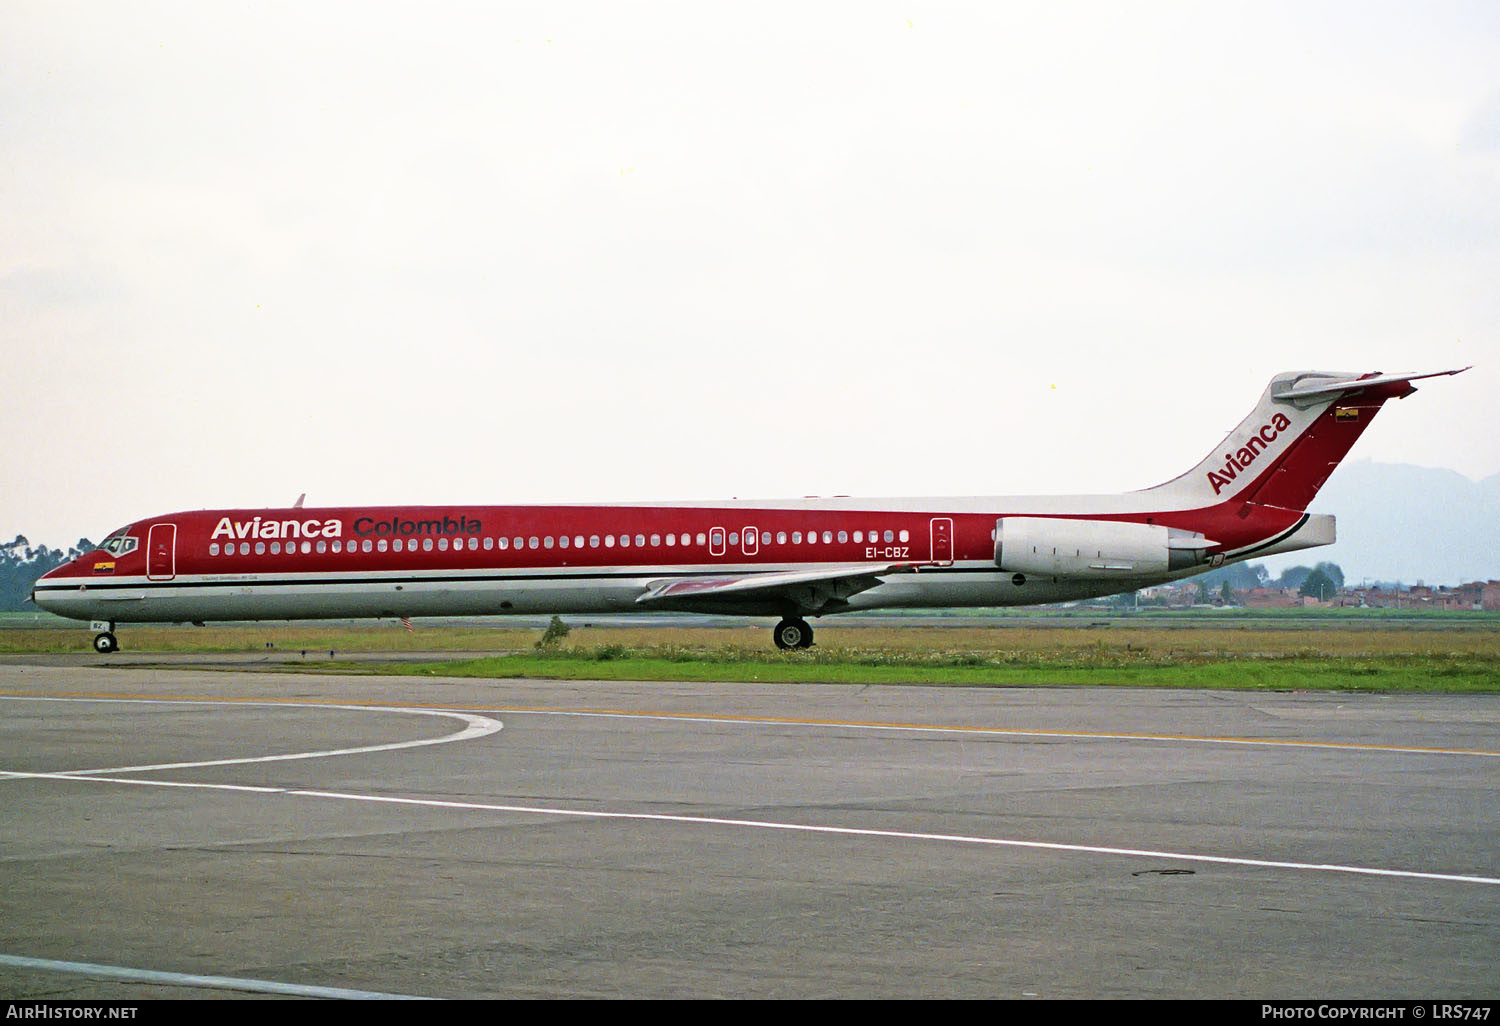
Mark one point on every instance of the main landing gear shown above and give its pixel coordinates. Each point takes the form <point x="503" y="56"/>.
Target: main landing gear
<point x="793" y="632"/>
<point x="104" y="641"/>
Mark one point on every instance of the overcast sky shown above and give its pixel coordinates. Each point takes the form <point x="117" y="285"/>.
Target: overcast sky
<point x="502" y="252"/>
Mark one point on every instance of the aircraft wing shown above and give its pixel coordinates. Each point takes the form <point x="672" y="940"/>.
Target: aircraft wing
<point x="773" y="593"/>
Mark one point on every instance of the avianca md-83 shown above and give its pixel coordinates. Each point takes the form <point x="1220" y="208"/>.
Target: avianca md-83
<point x="787" y="559"/>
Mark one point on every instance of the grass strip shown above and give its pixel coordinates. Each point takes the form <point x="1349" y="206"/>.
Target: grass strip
<point x="1415" y="674"/>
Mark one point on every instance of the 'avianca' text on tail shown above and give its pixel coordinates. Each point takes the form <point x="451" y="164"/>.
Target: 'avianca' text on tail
<point x="790" y="560"/>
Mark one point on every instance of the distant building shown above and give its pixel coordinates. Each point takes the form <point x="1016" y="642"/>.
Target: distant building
<point x="1271" y="598"/>
<point x="1489" y="595"/>
<point x="1471" y="596"/>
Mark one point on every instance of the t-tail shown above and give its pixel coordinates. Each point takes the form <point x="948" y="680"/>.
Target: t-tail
<point x="1285" y="450"/>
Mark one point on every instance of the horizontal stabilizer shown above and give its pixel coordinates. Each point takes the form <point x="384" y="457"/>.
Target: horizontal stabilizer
<point x="1322" y="386"/>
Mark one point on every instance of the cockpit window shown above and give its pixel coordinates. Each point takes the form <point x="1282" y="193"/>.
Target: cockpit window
<point x="119" y="543"/>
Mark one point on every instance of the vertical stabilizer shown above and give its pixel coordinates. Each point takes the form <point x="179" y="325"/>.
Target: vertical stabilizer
<point x="1283" y="452"/>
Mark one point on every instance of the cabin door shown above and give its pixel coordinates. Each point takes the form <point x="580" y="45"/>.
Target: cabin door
<point x="161" y="552"/>
<point x="942" y="541"/>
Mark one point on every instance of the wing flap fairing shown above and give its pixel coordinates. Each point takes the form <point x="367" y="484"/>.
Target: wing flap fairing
<point x="803" y="592"/>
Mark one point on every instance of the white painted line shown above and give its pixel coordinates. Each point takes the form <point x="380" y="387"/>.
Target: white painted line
<point x="71" y="775"/>
<point x="906" y="835"/>
<point x="478" y="726"/>
<point x="806" y="828"/>
<point x="117" y="972"/>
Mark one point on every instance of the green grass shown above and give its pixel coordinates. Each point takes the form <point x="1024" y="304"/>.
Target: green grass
<point x="1207" y="652"/>
<point x="1459" y="673"/>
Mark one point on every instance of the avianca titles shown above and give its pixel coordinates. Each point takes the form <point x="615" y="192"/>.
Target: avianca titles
<point x="787" y="559"/>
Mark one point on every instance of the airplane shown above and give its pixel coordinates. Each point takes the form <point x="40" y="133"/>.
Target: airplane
<point x="788" y="559"/>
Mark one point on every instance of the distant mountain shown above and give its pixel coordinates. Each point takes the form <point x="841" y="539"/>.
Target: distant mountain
<point x="1400" y="522"/>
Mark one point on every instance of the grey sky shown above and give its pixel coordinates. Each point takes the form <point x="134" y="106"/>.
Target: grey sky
<point x="532" y="252"/>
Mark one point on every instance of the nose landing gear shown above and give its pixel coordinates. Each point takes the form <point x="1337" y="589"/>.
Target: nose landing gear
<point x="104" y="641"/>
<point x="793" y="632"/>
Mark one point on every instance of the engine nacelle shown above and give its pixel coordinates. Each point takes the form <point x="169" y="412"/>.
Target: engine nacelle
<point x="1094" y="549"/>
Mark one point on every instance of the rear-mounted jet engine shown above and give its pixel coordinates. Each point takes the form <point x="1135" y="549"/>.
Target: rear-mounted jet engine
<point x="1074" y="549"/>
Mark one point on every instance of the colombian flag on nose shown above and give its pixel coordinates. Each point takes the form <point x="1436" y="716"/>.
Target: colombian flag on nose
<point x="1346" y="413"/>
<point x="104" y="568"/>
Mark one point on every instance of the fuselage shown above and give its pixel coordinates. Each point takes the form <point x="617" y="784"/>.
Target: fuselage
<point x="491" y="560"/>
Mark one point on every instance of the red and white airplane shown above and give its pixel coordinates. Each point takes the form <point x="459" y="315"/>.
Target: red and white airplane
<point x="792" y="559"/>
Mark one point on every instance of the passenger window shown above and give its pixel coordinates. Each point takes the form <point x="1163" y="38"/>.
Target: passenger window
<point x="906" y="535"/>
<point x="796" y="537"/>
<point x="323" y="546"/>
<point x="844" y="536"/>
<point x="520" y="543"/>
<point x="213" y="548"/>
<point x="765" y="537"/>
<point x="640" y="540"/>
<point x="547" y="542"/>
<point x="890" y="536"/>
<point x="858" y="537"/>
<point x="672" y="540"/>
<point x="338" y="546"/>
<point x="380" y="545"/>
<point x="734" y="537"/>
<point x="578" y="541"/>
<point x="260" y="548"/>
<point x="828" y="537"/>
<point x="562" y="541"/>
<point x="609" y="541"/>
<point x="702" y="538"/>
<point x="533" y="541"/>
<point x="593" y="541"/>
<point x="503" y="543"/>
<point x="276" y="548"/>
<point x="624" y="541"/>
<point x="489" y="543"/>
<point x="781" y="537"/>
<point x="655" y="540"/>
<point x="442" y="544"/>
<point x="426" y="544"/>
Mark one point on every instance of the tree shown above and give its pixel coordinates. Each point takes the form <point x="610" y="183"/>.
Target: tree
<point x="1240" y="576"/>
<point x="1293" y="576"/>
<point x="1318" y="585"/>
<point x="555" y="632"/>
<point x="1333" y="572"/>
<point x="21" y="565"/>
